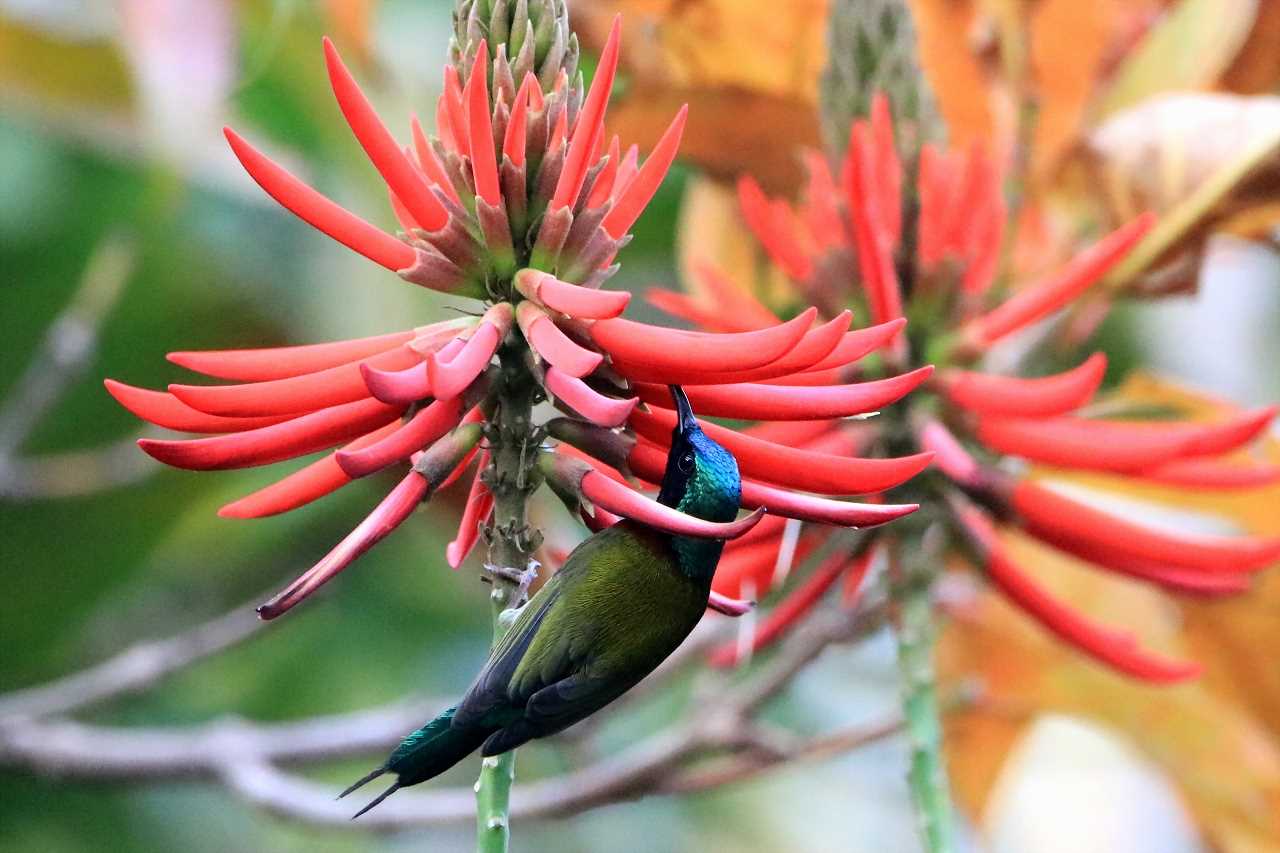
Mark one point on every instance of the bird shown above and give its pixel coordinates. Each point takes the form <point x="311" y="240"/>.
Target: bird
<point x="624" y="599"/>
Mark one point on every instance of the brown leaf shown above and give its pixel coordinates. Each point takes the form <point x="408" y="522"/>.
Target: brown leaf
<point x="749" y="74"/>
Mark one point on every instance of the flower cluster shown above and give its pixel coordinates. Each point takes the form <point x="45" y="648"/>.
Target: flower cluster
<point x="853" y="242"/>
<point x="518" y="202"/>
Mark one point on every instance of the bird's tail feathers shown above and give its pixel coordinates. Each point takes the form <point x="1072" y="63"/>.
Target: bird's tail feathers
<point x="425" y="754"/>
<point x="377" y="799"/>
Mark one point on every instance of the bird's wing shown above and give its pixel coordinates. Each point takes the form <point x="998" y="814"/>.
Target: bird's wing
<point x="554" y="635"/>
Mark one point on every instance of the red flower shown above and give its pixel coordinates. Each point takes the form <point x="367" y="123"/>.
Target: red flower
<point x="531" y="227"/>
<point x="846" y="246"/>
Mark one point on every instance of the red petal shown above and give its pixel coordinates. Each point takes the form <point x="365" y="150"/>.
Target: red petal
<point x="1176" y="578"/>
<point x="319" y="212"/>
<point x="554" y="345"/>
<point x="603" y="188"/>
<point x="1117" y="650"/>
<point x="479" y="505"/>
<point x="589" y="124"/>
<point x="577" y="395"/>
<point x="1059" y="519"/>
<point x="303" y="486"/>
<point x="429" y="162"/>
<point x="260" y="365"/>
<point x="816" y="345"/>
<point x="653" y="346"/>
<point x="788" y="466"/>
<point x="572" y="300"/>
<point x="295" y="395"/>
<point x="1213" y="474"/>
<point x="778" y="238"/>
<point x="687" y="308"/>
<point x="450" y="378"/>
<point x="736" y="302"/>
<point x="871" y="228"/>
<point x="746" y="570"/>
<point x="516" y="138"/>
<point x="1008" y="395"/>
<point x="649" y="462"/>
<point x="859" y="343"/>
<point x="421" y="430"/>
<point x="262" y="446"/>
<point x="484" y="161"/>
<point x="628" y="503"/>
<point x="793" y="608"/>
<point x="888" y="168"/>
<point x="386" y="517"/>
<point x="792" y="433"/>
<point x="632" y="201"/>
<point x="1042" y="299"/>
<point x="456" y="112"/>
<point x="785" y="402"/>
<point x="729" y="606"/>
<point x="1123" y="446"/>
<point x="397" y="386"/>
<point x="384" y="152"/>
<point x="168" y="411"/>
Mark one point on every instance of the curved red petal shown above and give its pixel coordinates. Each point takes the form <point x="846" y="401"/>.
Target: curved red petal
<point x="790" y="466"/>
<point x="479" y="505"/>
<point x="1117" y="650"/>
<point x="319" y="212"/>
<point x="793" y="608"/>
<point x="484" y="160"/>
<point x="450" y="378"/>
<point x="320" y="478"/>
<point x="589" y="124"/>
<point x="1009" y="395"/>
<point x="672" y="349"/>
<point x="572" y="300"/>
<point x="859" y="343"/>
<point x="1213" y="474"/>
<point x="1042" y="299"/>
<point x="262" y="446"/>
<point x="790" y="402"/>
<point x="295" y="395"/>
<point x="633" y="199"/>
<point x="384" y="152"/>
<point x="554" y="345"/>
<point x="386" y="517"/>
<point x="397" y="386"/>
<point x="422" y="429"/>
<point x="166" y="410"/>
<point x="1061" y="520"/>
<point x="586" y="401"/>
<point x="623" y="501"/>
<point x="429" y="162"/>
<point x="261" y="365"/>
<point x="516" y="137"/>
<point x="1121" y="446"/>
<point x="815" y="346"/>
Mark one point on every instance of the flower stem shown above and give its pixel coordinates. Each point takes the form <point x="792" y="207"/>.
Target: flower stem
<point x="511" y="477"/>
<point x="913" y="578"/>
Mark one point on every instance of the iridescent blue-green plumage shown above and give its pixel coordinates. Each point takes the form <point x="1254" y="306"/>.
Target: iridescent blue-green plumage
<point x="621" y="603"/>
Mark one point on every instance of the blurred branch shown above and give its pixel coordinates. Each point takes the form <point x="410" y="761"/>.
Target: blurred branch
<point x="135" y="669"/>
<point x="67" y="350"/>
<point x="245" y="756"/>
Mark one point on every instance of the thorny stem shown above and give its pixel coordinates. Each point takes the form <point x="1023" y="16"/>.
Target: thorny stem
<point x="914" y="568"/>
<point x="511" y="477"/>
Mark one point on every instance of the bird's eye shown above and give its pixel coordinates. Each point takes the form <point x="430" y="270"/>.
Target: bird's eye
<point x="685" y="463"/>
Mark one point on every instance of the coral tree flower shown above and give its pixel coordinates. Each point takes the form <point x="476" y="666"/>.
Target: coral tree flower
<point x="850" y="245"/>
<point x="520" y="202"/>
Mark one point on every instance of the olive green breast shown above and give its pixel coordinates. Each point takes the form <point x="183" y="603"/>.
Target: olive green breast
<point x="616" y="609"/>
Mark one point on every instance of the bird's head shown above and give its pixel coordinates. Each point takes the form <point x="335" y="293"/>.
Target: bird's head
<point x="702" y="477"/>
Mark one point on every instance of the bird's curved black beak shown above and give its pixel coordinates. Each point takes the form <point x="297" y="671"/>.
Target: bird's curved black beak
<point x="685" y="420"/>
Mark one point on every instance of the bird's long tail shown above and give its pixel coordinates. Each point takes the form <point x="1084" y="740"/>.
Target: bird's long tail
<point x="426" y="753"/>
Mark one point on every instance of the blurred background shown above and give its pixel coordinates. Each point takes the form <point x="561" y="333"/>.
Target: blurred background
<point x="128" y="230"/>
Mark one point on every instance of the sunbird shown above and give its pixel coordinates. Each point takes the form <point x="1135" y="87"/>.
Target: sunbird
<point x="622" y="602"/>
